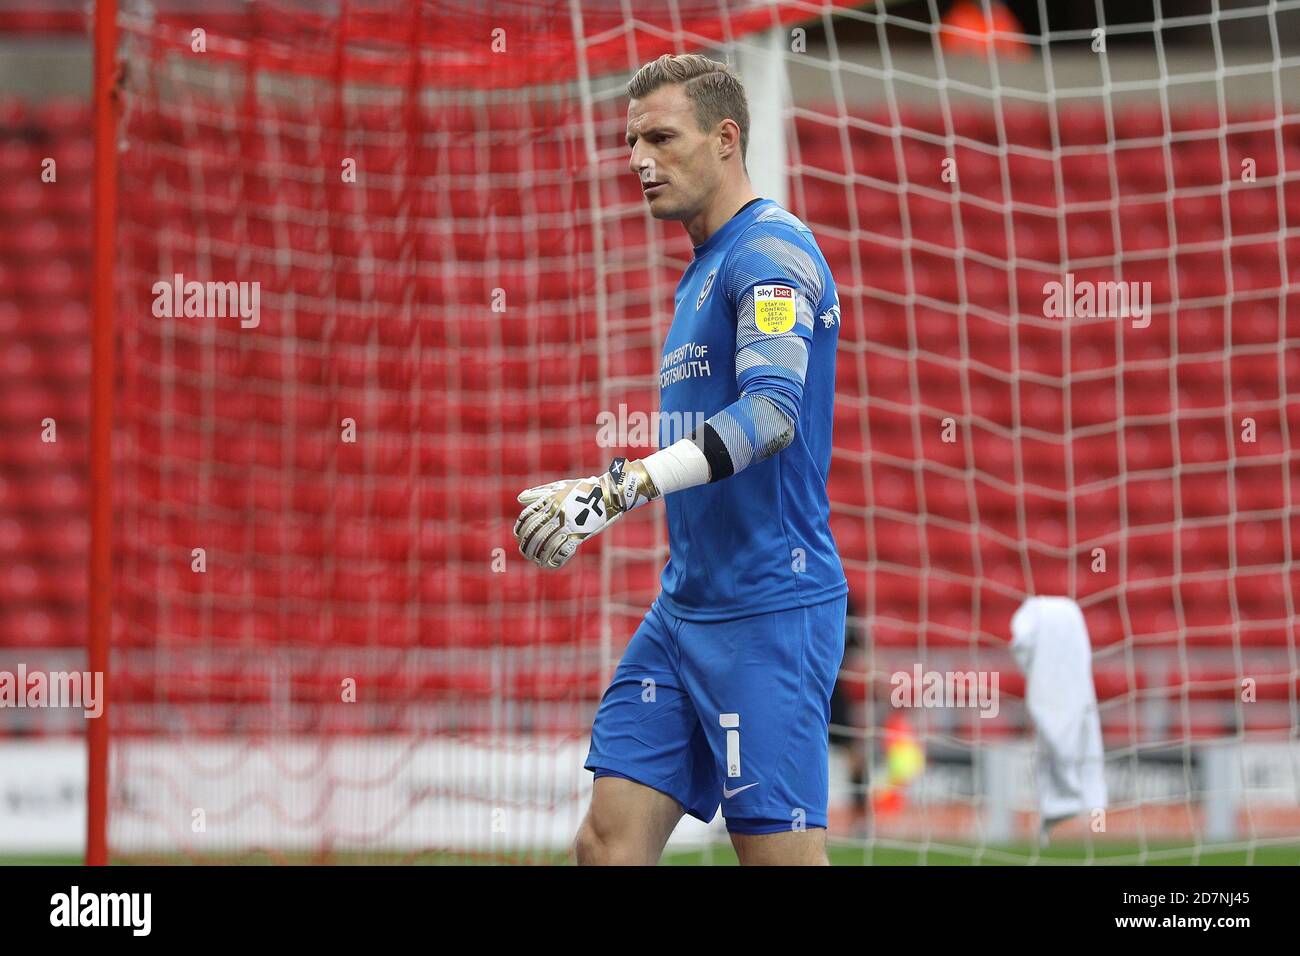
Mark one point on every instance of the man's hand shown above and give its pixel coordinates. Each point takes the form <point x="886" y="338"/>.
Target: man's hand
<point x="559" y="516"/>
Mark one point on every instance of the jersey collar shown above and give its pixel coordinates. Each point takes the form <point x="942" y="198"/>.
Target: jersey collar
<point x="743" y="216"/>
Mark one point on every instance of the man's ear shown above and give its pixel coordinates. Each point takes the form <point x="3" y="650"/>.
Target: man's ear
<point x="729" y="135"/>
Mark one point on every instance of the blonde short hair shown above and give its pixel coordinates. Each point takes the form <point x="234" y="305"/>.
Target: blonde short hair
<point x="713" y="87"/>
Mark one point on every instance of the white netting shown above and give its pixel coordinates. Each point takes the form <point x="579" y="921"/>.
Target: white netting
<point x="491" y="283"/>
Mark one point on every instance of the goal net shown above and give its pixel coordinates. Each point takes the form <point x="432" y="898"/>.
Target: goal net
<point x="381" y="266"/>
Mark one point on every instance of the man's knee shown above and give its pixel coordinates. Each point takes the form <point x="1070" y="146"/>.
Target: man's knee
<point x="627" y="825"/>
<point x="603" y="846"/>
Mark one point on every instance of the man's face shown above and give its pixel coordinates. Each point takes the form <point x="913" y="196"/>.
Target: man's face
<point x="669" y="148"/>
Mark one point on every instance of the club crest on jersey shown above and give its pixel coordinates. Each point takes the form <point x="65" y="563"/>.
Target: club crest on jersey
<point x="708" y="284"/>
<point x="774" y="308"/>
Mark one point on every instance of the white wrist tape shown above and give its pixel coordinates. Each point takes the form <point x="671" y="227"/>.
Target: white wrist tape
<point x="680" y="465"/>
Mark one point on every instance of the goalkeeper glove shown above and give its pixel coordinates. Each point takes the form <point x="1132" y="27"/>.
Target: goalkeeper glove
<point x="559" y="516"/>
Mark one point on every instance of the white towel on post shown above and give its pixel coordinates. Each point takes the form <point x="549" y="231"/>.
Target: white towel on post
<point x="1049" y="641"/>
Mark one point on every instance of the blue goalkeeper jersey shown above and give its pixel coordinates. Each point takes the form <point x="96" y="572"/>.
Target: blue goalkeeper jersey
<point x="752" y="350"/>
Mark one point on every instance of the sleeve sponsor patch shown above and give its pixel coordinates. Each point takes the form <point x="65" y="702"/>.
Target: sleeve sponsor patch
<point x="774" y="308"/>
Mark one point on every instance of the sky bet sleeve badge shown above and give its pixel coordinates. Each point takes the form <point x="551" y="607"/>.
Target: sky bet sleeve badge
<point x="774" y="308"/>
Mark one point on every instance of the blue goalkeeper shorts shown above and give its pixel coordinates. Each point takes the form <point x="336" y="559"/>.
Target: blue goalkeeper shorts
<point x="727" y="712"/>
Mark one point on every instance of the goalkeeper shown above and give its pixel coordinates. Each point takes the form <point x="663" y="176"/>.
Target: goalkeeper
<point x="723" y="694"/>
